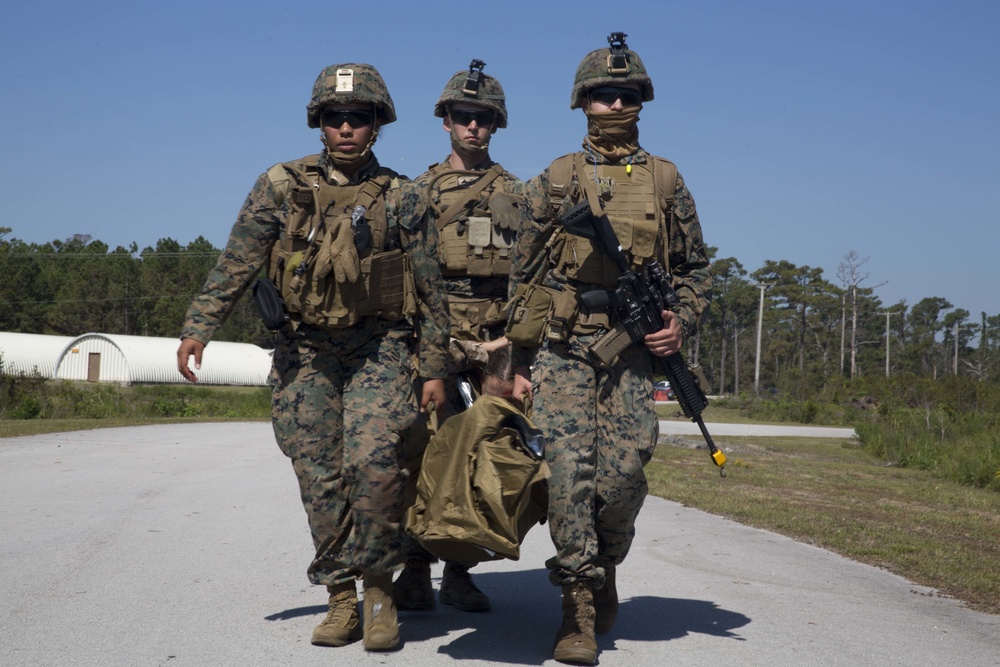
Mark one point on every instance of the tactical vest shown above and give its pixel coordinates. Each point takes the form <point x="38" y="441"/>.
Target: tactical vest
<point x="637" y="199"/>
<point x="316" y="212"/>
<point x="476" y="224"/>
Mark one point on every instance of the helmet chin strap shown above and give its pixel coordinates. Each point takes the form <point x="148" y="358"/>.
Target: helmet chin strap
<point x="467" y="150"/>
<point x="350" y="162"/>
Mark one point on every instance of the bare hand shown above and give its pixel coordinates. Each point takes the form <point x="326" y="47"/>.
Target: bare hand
<point x="493" y="345"/>
<point x="522" y="383"/>
<point x="668" y="340"/>
<point x="189" y="347"/>
<point x="433" y="391"/>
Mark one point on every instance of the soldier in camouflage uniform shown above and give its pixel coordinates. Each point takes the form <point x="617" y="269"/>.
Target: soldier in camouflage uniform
<point x="600" y="424"/>
<point x="347" y="246"/>
<point x="476" y="206"/>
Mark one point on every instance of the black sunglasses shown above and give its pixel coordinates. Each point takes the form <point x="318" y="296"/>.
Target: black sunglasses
<point x="608" y="94"/>
<point x="355" y="118"/>
<point x="466" y="117"/>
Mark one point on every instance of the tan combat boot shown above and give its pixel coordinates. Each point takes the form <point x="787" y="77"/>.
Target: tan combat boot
<point x="458" y="590"/>
<point x="575" y="642"/>
<point x="606" y="602"/>
<point x="412" y="589"/>
<point x="341" y="625"/>
<point x="381" y="624"/>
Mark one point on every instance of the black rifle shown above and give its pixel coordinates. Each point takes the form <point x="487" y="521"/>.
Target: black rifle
<point x="638" y="301"/>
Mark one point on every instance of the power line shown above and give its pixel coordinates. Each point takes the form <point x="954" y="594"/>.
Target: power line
<point x="68" y="255"/>
<point x="122" y="298"/>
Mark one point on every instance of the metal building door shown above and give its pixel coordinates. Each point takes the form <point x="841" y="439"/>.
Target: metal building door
<point x="93" y="367"/>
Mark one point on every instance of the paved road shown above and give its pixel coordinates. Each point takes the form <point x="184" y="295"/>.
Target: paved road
<point x="673" y="427"/>
<point x="187" y="545"/>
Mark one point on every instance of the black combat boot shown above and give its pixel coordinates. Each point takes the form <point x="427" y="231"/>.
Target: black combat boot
<point x="606" y="603"/>
<point x="412" y="589"/>
<point x="458" y="590"/>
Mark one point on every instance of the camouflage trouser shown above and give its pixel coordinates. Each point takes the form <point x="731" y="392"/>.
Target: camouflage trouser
<point x="341" y="398"/>
<point x="600" y="430"/>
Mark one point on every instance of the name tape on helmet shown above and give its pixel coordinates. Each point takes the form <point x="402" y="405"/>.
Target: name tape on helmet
<point x="345" y="80"/>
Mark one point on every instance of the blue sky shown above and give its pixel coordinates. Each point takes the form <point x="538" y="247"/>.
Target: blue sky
<point x="805" y="130"/>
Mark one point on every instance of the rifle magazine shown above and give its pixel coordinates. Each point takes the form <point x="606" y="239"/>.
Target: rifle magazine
<point x="610" y="345"/>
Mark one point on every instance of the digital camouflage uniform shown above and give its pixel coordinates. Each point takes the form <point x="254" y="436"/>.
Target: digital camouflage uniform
<point x="600" y="424"/>
<point x="476" y="212"/>
<point x="341" y="396"/>
<point x="467" y="324"/>
<point x="486" y="192"/>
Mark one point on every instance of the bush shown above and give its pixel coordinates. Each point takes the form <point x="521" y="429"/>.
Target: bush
<point x="21" y="396"/>
<point x="34" y="397"/>
<point x="949" y="425"/>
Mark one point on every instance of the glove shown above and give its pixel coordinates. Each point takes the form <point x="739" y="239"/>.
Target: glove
<point x="338" y="255"/>
<point x="506" y="210"/>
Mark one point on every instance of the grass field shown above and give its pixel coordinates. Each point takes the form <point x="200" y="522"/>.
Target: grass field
<point x="831" y="494"/>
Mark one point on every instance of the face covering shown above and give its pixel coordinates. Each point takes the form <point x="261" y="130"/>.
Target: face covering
<point x="613" y="134"/>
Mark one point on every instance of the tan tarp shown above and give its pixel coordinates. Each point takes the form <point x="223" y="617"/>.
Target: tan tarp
<point x="478" y="492"/>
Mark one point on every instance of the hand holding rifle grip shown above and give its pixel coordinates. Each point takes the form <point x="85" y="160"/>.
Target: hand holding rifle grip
<point x="649" y="293"/>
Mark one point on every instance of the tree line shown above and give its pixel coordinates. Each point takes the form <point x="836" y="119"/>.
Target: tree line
<point x="811" y="327"/>
<point x="81" y="285"/>
<point x="815" y="329"/>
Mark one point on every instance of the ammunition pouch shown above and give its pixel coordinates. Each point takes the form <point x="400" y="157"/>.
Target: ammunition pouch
<point x="529" y="312"/>
<point x="469" y="316"/>
<point x="477" y="247"/>
<point x="606" y="349"/>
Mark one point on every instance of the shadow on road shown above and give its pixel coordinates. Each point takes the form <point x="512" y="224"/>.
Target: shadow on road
<point x="526" y="614"/>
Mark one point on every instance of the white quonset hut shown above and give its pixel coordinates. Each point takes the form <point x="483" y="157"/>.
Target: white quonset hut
<point x="96" y="357"/>
<point x="26" y="354"/>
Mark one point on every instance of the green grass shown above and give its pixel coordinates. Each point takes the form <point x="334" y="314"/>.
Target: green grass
<point x="35" y="399"/>
<point x="832" y="494"/>
<point x="713" y="413"/>
<point x="12" y="428"/>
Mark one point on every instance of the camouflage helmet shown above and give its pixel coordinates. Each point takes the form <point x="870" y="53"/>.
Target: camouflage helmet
<point x="607" y="67"/>
<point x="474" y="87"/>
<point x="350" y="82"/>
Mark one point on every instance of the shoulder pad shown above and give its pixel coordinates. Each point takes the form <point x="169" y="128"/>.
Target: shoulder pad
<point x="280" y="183"/>
<point x="281" y="179"/>
<point x="560" y="176"/>
<point x="567" y="158"/>
<point x="664" y="179"/>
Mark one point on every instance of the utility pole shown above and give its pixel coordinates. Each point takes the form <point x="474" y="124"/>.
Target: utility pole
<point x="887" y="314"/>
<point x="843" y="328"/>
<point x="760" y="327"/>
<point x="957" y="329"/>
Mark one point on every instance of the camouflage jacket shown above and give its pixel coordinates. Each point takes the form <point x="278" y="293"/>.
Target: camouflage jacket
<point x="258" y="227"/>
<point x="688" y="259"/>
